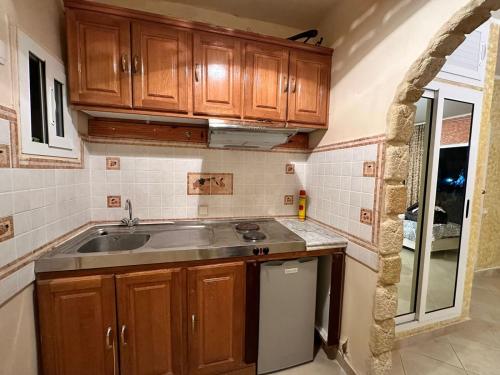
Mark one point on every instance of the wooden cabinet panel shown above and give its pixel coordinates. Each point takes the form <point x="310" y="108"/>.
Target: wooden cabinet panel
<point x="216" y="317"/>
<point x="77" y="324"/>
<point x="266" y="81"/>
<point x="161" y="66"/>
<point x="150" y="312"/>
<point x="99" y="55"/>
<point x="217" y="79"/>
<point x="309" y="87"/>
<point x="141" y="130"/>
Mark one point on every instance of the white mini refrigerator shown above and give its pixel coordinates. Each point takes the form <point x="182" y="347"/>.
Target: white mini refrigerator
<point x="287" y="313"/>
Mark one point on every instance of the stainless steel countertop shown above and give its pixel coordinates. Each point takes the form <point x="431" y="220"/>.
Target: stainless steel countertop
<point x="177" y="241"/>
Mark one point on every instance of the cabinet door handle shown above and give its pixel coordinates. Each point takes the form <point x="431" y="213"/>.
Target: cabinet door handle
<point x="124" y="63"/>
<point x="193" y="322"/>
<point x="196" y="74"/>
<point x="286" y="83"/>
<point x="122" y="334"/>
<point x="109" y="344"/>
<point x="294" y="85"/>
<point x="136" y="64"/>
<point x="188" y="134"/>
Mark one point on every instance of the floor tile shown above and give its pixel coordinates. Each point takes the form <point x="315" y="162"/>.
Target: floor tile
<point x="417" y="364"/>
<point x="439" y="349"/>
<point x="478" y="358"/>
<point x="397" y="364"/>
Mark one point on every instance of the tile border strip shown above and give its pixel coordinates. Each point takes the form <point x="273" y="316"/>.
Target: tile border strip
<point x="349" y="144"/>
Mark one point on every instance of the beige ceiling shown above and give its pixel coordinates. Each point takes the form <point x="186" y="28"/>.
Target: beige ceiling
<point x="302" y="14"/>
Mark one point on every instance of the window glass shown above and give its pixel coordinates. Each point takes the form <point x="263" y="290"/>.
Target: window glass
<point x="58" y="98"/>
<point x="38" y="100"/>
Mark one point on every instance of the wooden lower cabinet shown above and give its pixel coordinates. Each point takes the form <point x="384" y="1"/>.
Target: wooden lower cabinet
<point x="150" y="311"/>
<point x="145" y="323"/>
<point x="216" y="309"/>
<point x="77" y="326"/>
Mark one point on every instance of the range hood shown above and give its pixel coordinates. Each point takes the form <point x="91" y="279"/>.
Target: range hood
<point x="245" y="135"/>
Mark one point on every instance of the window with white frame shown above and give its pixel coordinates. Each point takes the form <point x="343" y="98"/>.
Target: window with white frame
<point x="46" y="122"/>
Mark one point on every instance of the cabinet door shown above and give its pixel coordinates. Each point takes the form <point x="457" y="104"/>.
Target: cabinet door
<point x="266" y="82"/>
<point x="216" y="318"/>
<point x="77" y="325"/>
<point x="150" y="311"/>
<point x="161" y="67"/>
<point x="309" y="88"/>
<point x="217" y="82"/>
<point x="99" y="59"/>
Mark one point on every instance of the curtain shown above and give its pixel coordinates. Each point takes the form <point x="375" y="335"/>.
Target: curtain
<point x="415" y="164"/>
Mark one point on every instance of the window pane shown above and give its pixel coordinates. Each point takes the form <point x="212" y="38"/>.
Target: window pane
<point x="450" y="204"/>
<point x="38" y="100"/>
<point x="58" y="96"/>
<point x="413" y="218"/>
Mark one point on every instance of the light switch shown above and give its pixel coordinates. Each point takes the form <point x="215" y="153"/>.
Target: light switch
<point x="3" y="53"/>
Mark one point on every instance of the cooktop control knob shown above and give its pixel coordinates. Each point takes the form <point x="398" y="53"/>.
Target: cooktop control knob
<point x="266" y="250"/>
<point x="256" y="251"/>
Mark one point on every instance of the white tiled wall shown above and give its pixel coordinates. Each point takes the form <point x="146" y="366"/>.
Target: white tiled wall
<point x="44" y="203"/>
<point x="155" y="179"/>
<point x="337" y="189"/>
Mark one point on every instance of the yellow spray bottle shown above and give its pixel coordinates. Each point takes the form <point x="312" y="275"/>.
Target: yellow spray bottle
<point x="302" y="205"/>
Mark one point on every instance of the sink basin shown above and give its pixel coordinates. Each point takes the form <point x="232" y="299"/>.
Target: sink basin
<point x="114" y="242"/>
<point x="188" y="237"/>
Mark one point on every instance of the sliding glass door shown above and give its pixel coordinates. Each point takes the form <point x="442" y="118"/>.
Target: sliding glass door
<point x="436" y="223"/>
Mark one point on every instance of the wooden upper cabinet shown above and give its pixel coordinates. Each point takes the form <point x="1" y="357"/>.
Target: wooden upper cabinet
<point x="216" y="310"/>
<point x="161" y="66"/>
<point x="217" y="78"/>
<point x="99" y="59"/>
<point x="78" y="326"/>
<point x="309" y="88"/>
<point x="150" y="314"/>
<point x="266" y="81"/>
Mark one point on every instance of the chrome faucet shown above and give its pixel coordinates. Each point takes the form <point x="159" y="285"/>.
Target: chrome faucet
<point x="128" y="221"/>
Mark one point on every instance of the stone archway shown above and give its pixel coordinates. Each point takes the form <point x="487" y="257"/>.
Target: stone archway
<point x="400" y="123"/>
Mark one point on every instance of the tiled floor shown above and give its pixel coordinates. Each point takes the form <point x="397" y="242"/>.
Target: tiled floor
<point x="320" y="366"/>
<point x="473" y="348"/>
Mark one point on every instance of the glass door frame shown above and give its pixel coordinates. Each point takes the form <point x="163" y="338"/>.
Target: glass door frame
<point x="439" y="91"/>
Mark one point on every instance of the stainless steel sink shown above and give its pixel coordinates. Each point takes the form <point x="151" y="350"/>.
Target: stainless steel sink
<point x="114" y="242"/>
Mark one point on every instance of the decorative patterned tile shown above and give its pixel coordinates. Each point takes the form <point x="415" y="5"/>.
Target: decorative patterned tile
<point x="366" y="216"/>
<point x="290" y="168"/>
<point x="114" y="201"/>
<point x="288" y="200"/>
<point x="113" y="163"/>
<point x="4" y="156"/>
<point x="6" y="228"/>
<point x="209" y="183"/>
<point x="369" y="169"/>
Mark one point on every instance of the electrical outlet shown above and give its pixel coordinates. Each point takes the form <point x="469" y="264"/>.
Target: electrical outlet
<point x="369" y="169"/>
<point x="366" y="216"/>
<point x="4" y="156"/>
<point x="6" y="228"/>
<point x="114" y="201"/>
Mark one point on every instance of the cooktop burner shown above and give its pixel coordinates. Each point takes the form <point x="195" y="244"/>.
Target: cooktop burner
<point x="253" y="235"/>
<point x="246" y="227"/>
